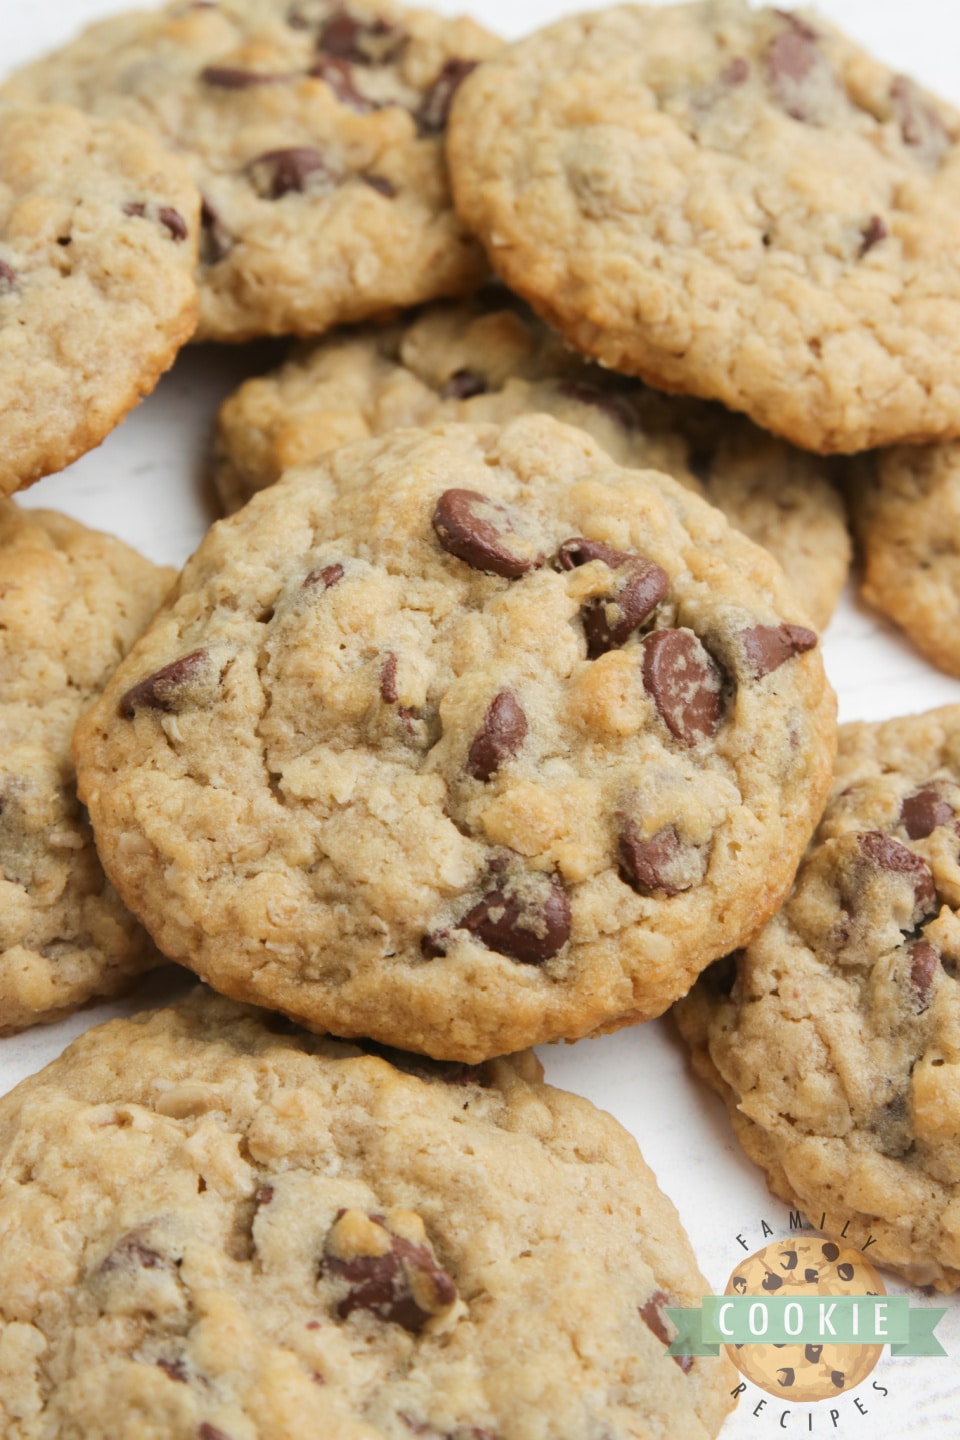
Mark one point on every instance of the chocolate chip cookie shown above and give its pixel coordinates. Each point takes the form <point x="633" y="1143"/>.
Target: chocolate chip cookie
<point x="463" y="739"/>
<point x="72" y="602"/>
<point x="905" y="511"/>
<point x="240" y="1229"/>
<point x="315" y="132"/>
<point x="833" y="1038"/>
<point x="470" y="362"/>
<point x="98" y="246"/>
<point x="734" y="203"/>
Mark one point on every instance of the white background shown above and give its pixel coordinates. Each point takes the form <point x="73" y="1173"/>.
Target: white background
<point x="147" y="484"/>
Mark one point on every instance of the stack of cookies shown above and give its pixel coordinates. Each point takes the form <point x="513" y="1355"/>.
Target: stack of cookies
<point x="493" y="713"/>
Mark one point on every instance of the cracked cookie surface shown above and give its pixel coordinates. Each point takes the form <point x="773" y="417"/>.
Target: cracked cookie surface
<point x="734" y="203"/>
<point x="834" y="1038"/>
<point x="246" y="1232"/>
<point x="463" y="739"/>
<point x="98" y="245"/>
<point x="471" y="362"/>
<point x="72" y="601"/>
<point x="315" y="132"/>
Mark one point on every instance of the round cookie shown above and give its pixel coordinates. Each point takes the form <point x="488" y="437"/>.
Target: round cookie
<point x="833" y="1038"/>
<point x="469" y="363"/>
<point x="315" y="133"/>
<point x="733" y="203"/>
<point x="905" y="512"/>
<point x="98" y="246"/>
<point x="463" y="740"/>
<point x="246" y="1233"/>
<point x="72" y="601"/>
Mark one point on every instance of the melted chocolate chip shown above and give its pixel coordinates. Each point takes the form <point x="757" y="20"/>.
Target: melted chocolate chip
<point x="640" y="585"/>
<point x="170" y="218"/>
<point x="685" y="683"/>
<point x="211" y="1432"/>
<point x="617" y="407"/>
<point x="502" y="732"/>
<point x="382" y="1284"/>
<point x="434" y="108"/>
<point x="174" y="1369"/>
<point x="925" y="810"/>
<point x="792" y="58"/>
<point x="462" y="384"/>
<point x="872" y="234"/>
<point x="658" y="864"/>
<point x="652" y="1315"/>
<point x="363" y="42"/>
<point x="767" y="647"/>
<point x="924" y="964"/>
<point x="890" y="855"/>
<point x="381" y="184"/>
<point x="329" y="576"/>
<point x="388" y="679"/>
<point x="164" y="690"/>
<point x="920" y="125"/>
<point x="217" y="242"/>
<point x="8" y="278"/>
<point x="131" y="1251"/>
<point x="479" y="531"/>
<point x="225" y="77"/>
<point x="284" y="172"/>
<point x="528" y="929"/>
<point x="338" y="74"/>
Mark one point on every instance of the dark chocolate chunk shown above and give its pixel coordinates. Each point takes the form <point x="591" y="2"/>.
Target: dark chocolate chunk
<point x="431" y="115"/>
<point x="685" y="683"/>
<point x="652" y="1315"/>
<point x="479" y="531"/>
<point x="170" y="218"/>
<point x="165" y="690"/>
<point x="792" y="58"/>
<point x="924" y="964"/>
<point x="382" y="1284"/>
<point x="133" y="1252"/>
<point x="225" y="77"/>
<point x="329" y="576"/>
<point x="528" y="928"/>
<point x="284" y="172"/>
<point x="658" y="863"/>
<point x="388" y="679"/>
<point x="364" y="42"/>
<point x="925" y="810"/>
<point x="502" y="732"/>
<point x="338" y="74"/>
<point x="216" y="240"/>
<point x="639" y="586"/>
<point x="462" y="384"/>
<point x="890" y="855"/>
<point x="8" y="278"/>
<point x="873" y="232"/>
<point x="767" y="647"/>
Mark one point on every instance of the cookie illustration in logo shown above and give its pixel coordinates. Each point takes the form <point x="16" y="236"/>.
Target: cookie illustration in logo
<point x="793" y="1268"/>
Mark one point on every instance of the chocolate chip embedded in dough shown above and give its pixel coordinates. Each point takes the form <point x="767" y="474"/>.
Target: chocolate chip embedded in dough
<point x="338" y="74"/>
<point x="921" y="128"/>
<point x="527" y="926"/>
<point x="388" y="679"/>
<point x="324" y="578"/>
<point x="174" y="1370"/>
<point x="226" y="77"/>
<point x="872" y="234"/>
<point x="462" y="384"/>
<point x="767" y="647"/>
<point x="502" y="732"/>
<point x="431" y="115"/>
<point x="639" y="586"/>
<point x="925" y="810"/>
<point x="277" y="173"/>
<point x="684" y="682"/>
<point x="482" y="533"/>
<point x="653" y="1316"/>
<point x="924" y="964"/>
<point x="381" y="184"/>
<point x="659" y="863"/>
<point x="211" y="1432"/>
<point x="216" y="241"/>
<point x="8" y="278"/>
<point x="890" y="855"/>
<point x="364" y="42"/>
<point x="392" y="1277"/>
<point x="168" y="217"/>
<point x="172" y="688"/>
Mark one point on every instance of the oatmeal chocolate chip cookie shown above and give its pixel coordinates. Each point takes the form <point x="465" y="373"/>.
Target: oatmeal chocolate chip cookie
<point x="834" y="1038"/>
<point x="733" y="203"/>
<point x="240" y="1229"/>
<point x="315" y="132"/>
<point x="905" y="512"/>
<point x="98" y="246"/>
<point x="468" y="363"/>
<point x="463" y="739"/>
<point x="72" y="602"/>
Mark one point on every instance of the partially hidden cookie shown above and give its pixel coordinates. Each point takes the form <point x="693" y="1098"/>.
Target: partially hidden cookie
<point x="98" y="247"/>
<point x="315" y="132"/>
<point x="833" y="1037"/>
<point x="463" y="739"/>
<point x="734" y="203"/>
<point x="905" y="513"/>
<point x="72" y="601"/>
<point x="245" y="1233"/>
<point x="468" y="362"/>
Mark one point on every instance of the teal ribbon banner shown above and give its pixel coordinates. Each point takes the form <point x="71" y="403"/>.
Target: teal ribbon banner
<point x="806" y="1320"/>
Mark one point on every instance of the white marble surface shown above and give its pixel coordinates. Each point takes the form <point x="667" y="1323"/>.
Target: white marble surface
<point x="146" y="484"/>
